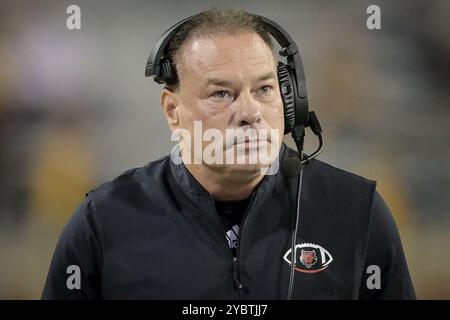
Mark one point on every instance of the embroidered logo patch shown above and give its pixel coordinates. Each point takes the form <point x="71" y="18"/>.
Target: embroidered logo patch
<point x="310" y="258"/>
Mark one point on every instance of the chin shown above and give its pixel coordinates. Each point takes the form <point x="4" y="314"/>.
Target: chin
<point x="244" y="160"/>
<point x="245" y="168"/>
<point x="239" y="170"/>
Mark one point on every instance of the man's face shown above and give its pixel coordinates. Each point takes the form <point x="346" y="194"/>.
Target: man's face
<point x="230" y="82"/>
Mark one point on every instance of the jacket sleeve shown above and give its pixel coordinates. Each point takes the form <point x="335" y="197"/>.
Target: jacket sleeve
<point x="385" y="254"/>
<point x="75" y="269"/>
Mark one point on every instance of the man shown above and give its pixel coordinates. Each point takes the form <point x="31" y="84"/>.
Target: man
<point x="184" y="227"/>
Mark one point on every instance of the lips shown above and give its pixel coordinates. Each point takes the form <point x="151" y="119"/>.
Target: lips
<point x="250" y="144"/>
<point x="251" y="137"/>
<point x="247" y="141"/>
<point x="252" y="140"/>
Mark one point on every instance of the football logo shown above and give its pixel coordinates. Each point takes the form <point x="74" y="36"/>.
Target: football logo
<point x="310" y="258"/>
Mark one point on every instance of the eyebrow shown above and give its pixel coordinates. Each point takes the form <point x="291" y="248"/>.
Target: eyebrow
<point x="266" y="76"/>
<point x="223" y="82"/>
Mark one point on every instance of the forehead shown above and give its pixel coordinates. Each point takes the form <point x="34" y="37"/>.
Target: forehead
<point x="221" y="55"/>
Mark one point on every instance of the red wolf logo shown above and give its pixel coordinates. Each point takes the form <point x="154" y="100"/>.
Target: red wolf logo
<point x="308" y="258"/>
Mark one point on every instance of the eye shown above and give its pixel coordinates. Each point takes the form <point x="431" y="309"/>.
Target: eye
<point x="221" y="94"/>
<point x="266" y="89"/>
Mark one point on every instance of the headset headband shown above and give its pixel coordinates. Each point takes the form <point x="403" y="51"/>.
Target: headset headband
<point x="288" y="49"/>
<point x="154" y="60"/>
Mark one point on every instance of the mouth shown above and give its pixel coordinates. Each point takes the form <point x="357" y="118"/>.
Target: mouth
<point x="248" y="140"/>
<point x="249" y="144"/>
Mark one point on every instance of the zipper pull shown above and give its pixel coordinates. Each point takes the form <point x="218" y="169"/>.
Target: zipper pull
<point x="238" y="285"/>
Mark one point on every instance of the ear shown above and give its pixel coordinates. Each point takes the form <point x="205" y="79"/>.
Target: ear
<point x="170" y="102"/>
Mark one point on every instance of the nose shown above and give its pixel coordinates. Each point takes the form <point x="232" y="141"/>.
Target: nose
<point x="248" y="110"/>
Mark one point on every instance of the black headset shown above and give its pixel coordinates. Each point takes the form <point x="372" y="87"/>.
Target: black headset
<point x="292" y="82"/>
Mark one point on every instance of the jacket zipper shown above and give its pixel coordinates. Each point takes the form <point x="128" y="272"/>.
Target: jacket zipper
<point x="240" y="286"/>
<point x="235" y="266"/>
<point x="237" y="285"/>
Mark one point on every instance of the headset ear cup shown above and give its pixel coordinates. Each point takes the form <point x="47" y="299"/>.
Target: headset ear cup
<point x="168" y="73"/>
<point x="287" y="95"/>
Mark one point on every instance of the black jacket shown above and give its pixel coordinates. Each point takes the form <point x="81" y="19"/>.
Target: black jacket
<point x="153" y="233"/>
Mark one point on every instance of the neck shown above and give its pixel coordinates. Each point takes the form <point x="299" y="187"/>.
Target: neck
<point x="223" y="185"/>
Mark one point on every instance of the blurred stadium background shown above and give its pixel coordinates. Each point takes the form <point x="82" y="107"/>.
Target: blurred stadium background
<point x="76" y="110"/>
